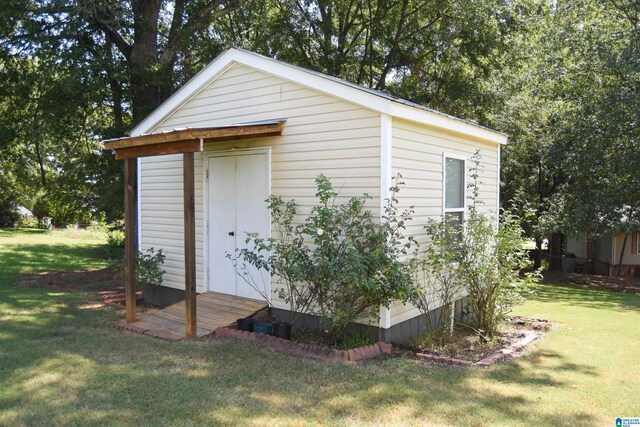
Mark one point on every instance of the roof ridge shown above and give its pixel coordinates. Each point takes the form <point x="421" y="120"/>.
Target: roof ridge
<point x="372" y="91"/>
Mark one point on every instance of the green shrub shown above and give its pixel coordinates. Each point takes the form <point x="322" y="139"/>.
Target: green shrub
<point x="478" y="258"/>
<point x="148" y="271"/>
<point x="488" y="259"/>
<point x="28" y="222"/>
<point x="440" y="281"/>
<point x="491" y="259"/>
<point x="341" y="264"/>
<point x="115" y="238"/>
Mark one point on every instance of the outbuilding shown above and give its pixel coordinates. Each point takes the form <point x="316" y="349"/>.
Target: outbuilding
<point x="258" y="126"/>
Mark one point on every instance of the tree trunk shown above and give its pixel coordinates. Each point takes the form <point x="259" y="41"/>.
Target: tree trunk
<point x="555" y="252"/>
<point x="43" y="176"/>
<point x="624" y="246"/>
<point x="143" y="62"/>
<point x="537" y="261"/>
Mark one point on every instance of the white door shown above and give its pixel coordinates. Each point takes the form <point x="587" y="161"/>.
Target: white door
<point x="238" y="188"/>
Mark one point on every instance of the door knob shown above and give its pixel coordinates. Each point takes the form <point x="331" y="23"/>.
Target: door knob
<point x="231" y="233"/>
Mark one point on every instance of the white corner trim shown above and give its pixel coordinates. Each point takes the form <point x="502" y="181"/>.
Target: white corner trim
<point x="386" y="126"/>
<point x="205" y="223"/>
<point x="139" y="202"/>
<point x="317" y="82"/>
<point x="385" y="317"/>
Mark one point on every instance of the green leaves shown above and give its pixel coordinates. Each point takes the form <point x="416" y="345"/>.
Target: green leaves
<point x="339" y="262"/>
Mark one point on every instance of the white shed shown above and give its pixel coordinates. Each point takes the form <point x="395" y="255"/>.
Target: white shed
<point x="358" y="137"/>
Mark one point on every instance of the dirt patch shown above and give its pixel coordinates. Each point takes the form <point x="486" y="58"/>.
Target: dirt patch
<point x="74" y="280"/>
<point x="105" y="283"/>
<point x="592" y="281"/>
<point x="468" y="348"/>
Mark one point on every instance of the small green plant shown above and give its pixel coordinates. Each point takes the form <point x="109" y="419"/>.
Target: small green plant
<point x="115" y="244"/>
<point x="148" y="271"/>
<point x="353" y="340"/>
<point x="440" y="282"/>
<point x="115" y="238"/>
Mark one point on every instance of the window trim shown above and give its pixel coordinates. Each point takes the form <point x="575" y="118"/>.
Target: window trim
<point x="463" y="209"/>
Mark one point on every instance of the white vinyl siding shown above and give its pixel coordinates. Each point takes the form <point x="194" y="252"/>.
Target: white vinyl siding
<point x="417" y="154"/>
<point x="323" y="134"/>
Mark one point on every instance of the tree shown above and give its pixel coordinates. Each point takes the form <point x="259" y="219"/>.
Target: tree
<point x="429" y="51"/>
<point x="573" y="117"/>
<point x="599" y="142"/>
<point x="149" y="35"/>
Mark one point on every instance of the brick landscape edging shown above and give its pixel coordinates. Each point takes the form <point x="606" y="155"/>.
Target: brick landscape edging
<point x="510" y="350"/>
<point x="293" y="348"/>
<point x="494" y="357"/>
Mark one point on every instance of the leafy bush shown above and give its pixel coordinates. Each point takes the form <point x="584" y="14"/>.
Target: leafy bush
<point x="491" y="259"/>
<point x="477" y="257"/>
<point x="115" y="238"/>
<point x="440" y="282"/>
<point x="28" y="222"/>
<point x="284" y="257"/>
<point x="341" y="264"/>
<point x="148" y="271"/>
<point x="356" y="261"/>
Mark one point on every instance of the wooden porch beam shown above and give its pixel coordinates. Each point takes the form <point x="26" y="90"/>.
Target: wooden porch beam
<point x="189" y="245"/>
<point x="159" y="149"/>
<point x="130" y="227"/>
<point x="208" y="134"/>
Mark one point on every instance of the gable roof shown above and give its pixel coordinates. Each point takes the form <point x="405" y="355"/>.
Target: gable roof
<point x="365" y="97"/>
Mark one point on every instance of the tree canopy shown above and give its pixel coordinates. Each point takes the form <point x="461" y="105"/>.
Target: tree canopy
<point x="561" y="77"/>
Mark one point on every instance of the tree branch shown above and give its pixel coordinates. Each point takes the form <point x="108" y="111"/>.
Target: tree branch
<point x="91" y="11"/>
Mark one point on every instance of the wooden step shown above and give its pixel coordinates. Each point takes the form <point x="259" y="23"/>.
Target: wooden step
<point x="213" y="310"/>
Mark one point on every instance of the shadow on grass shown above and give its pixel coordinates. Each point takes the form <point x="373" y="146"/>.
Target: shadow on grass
<point x="60" y="364"/>
<point x="589" y="298"/>
<point x="34" y="258"/>
<point x="8" y="232"/>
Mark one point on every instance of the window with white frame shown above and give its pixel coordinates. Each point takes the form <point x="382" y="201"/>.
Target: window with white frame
<point x="454" y="189"/>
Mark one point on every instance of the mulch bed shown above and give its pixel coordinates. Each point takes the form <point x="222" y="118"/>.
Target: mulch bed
<point x="468" y="350"/>
<point x="592" y="281"/>
<point x="309" y="351"/>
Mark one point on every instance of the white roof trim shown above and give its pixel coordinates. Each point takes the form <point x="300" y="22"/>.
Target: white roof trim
<point x="334" y="87"/>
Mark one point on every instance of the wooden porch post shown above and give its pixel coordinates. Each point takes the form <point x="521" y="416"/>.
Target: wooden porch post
<point x="130" y="227"/>
<point x="189" y="245"/>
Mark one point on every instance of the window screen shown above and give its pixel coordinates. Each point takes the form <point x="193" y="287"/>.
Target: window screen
<point x="454" y="183"/>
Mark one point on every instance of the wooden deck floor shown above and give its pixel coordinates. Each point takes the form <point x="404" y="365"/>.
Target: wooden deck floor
<point x="213" y="310"/>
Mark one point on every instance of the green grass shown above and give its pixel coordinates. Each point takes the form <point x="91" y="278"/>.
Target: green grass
<point x="62" y="363"/>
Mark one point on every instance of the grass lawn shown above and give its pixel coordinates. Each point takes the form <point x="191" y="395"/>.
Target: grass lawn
<point x="62" y="363"/>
